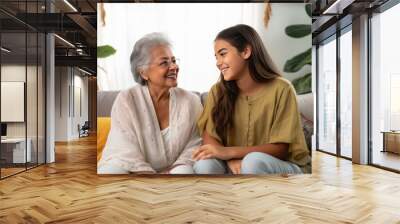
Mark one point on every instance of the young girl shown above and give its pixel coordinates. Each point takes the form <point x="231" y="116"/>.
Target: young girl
<point x="250" y="123"/>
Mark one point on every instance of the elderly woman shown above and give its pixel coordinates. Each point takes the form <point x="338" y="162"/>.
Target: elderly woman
<point x="153" y="124"/>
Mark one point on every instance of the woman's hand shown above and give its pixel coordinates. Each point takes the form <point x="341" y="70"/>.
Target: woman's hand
<point x="211" y="151"/>
<point x="235" y="165"/>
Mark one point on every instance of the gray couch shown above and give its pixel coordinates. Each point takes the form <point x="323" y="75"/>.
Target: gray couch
<point x="105" y="100"/>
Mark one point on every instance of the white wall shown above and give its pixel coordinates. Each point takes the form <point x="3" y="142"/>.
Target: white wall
<point x="192" y="29"/>
<point x="62" y="80"/>
<point x="34" y="124"/>
<point x="68" y="82"/>
<point x="80" y="83"/>
<point x="16" y="73"/>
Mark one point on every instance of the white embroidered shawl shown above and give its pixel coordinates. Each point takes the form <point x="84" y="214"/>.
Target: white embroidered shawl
<point x="135" y="142"/>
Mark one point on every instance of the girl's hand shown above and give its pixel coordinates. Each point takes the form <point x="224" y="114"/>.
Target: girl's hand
<point x="211" y="151"/>
<point x="235" y="165"/>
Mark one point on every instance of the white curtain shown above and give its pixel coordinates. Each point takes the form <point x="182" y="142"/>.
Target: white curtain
<point x="191" y="28"/>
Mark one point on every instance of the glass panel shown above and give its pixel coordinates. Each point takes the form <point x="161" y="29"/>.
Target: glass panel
<point x="41" y="99"/>
<point x="13" y="86"/>
<point x="31" y="87"/>
<point x="346" y="94"/>
<point x="327" y="97"/>
<point x="385" y="86"/>
<point x="23" y="87"/>
<point x="31" y="101"/>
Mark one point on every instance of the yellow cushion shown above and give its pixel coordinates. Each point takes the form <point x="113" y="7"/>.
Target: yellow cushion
<point x="103" y="128"/>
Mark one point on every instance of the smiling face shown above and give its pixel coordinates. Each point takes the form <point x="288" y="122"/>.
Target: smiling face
<point x="230" y="61"/>
<point x="162" y="71"/>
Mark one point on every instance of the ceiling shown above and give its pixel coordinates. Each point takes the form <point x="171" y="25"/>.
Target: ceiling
<point x="74" y="22"/>
<point x="332" y="15"/>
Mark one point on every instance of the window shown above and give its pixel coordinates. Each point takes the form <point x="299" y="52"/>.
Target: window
<point x="327" y="96"/>
<point x="385" y="88"/>
<point x="346" y="93"/>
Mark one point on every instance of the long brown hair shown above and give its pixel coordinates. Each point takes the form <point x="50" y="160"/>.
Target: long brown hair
<point x="261" y="68"/>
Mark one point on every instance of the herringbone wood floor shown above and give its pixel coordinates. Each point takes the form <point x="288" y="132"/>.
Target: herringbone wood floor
<point x="69" y="191"/>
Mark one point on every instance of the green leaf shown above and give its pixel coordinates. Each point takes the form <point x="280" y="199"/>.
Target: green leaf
<point x="308" y="10"/>
<point x="303" y="84"/>
<point x="298" y="31"/>
<point x="297" y="62"/>
<point x="105" y="51"/>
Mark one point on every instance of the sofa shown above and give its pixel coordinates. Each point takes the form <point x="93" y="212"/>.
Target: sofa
<point x="105" y="100"/>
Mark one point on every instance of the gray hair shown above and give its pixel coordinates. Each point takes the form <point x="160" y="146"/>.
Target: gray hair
<point x="140" y="56"/>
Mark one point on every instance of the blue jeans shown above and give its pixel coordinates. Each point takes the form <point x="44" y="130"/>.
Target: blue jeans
<point x="252" y="163"/>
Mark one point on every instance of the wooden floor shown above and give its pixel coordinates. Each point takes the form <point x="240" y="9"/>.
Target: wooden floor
<point x="70" y="191"/>
<point x="5" y="172"/>
<point x="10" y="171"/>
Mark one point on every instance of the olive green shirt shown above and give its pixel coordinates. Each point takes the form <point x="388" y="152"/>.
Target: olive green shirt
<point x="269" y="116"/>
